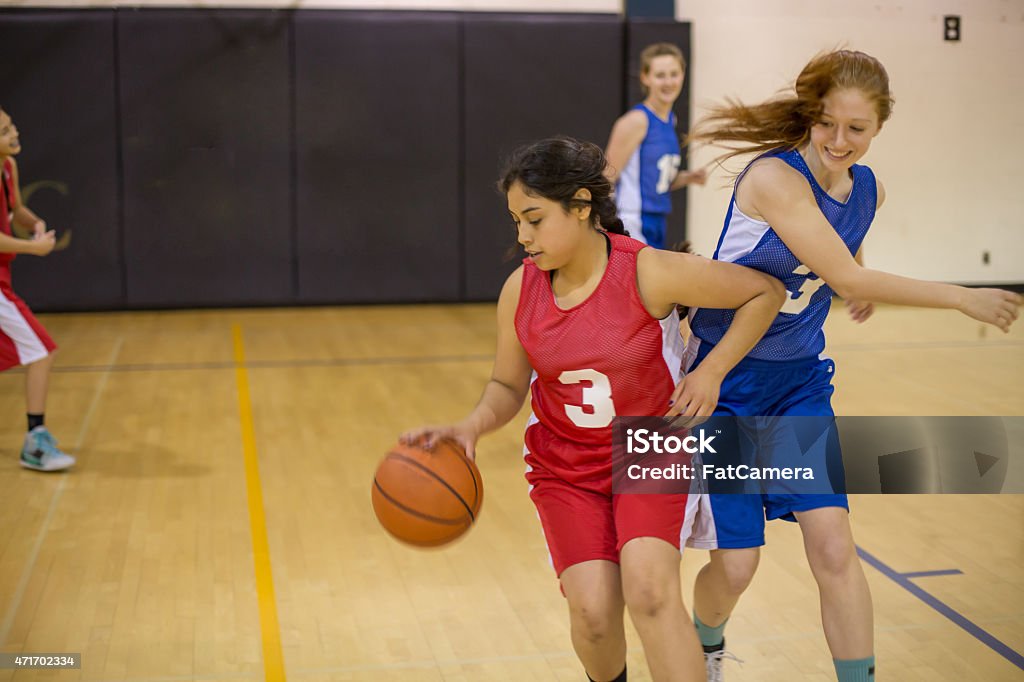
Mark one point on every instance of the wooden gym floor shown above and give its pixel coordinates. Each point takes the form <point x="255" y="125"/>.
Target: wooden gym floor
<point x="218" y="523"/>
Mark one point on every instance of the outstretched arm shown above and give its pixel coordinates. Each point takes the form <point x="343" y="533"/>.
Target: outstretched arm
<point x="689" y="177"/>
<point x="505" y="391"/>
<point x="782" y="197"/>
<point x="667" y="278"/>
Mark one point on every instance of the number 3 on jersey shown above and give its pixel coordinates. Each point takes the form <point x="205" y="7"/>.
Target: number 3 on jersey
<point x="598" y="396"/>
<point x="799" y="300"/>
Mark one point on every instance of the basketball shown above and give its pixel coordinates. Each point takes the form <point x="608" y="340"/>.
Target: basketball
<point x="426" y="497"/>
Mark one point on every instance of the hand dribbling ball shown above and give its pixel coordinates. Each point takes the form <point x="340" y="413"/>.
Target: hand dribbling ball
<point x="426" y="497"/>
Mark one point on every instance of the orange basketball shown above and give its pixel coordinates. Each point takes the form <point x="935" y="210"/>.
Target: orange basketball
<point x="427" y="497"/>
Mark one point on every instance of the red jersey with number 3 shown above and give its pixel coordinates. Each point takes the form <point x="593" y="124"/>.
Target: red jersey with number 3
<point x="603" y="358"/>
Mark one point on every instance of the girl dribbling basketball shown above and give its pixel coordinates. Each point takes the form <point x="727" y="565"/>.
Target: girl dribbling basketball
<point x="579" y="328"/>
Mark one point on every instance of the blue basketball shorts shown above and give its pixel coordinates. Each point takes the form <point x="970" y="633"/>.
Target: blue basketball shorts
<point x="759" y="388"/>
<point x="654" y="228"/>
<point x="646" y="227"/>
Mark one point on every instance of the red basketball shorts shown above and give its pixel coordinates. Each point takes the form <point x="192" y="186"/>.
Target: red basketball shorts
<point x="583" y="525"/>
<point x="23" y="340"/>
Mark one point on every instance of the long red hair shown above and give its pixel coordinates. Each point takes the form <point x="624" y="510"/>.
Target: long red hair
<point x="785" y="121"/>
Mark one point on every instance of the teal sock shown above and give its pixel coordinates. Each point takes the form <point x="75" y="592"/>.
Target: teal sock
<point x="710" y="636"/>
<point x="859" y="670"/>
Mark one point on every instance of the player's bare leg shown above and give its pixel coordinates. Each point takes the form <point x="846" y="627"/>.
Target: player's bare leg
<point x="651" y="586"/>
<point x="37" y="383"/>
<point x="721" y="582"/>
<point x="846" y="609"/>
<point x="39" y="450"/>
<point x="593" y="590"/>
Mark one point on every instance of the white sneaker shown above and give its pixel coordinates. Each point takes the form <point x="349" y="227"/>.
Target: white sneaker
<point x="40" y="452"/>
<point x="713" y="662"/>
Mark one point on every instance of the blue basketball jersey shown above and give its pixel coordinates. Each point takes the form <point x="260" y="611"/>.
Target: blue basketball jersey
<point x="644" y="183"/>
<point x="796" y="332"/>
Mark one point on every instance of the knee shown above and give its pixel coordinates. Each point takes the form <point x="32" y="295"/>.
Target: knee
<point x="647" y="597"/>
<point x="736" y="570"/>
<point x="44" y="361"/>
<point x="831" y="556"/>
<point x="594" y="621"/>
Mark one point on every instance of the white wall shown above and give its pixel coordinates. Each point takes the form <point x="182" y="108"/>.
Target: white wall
<point x="950" y="157"/>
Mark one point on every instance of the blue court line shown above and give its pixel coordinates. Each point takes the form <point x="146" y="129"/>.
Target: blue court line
<point x="928" y="574"/>
<point x="904" y="581"/>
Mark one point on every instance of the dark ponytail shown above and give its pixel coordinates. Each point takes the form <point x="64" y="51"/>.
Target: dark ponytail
<point x="556" y="168"/>
<point x="607" y="214"/>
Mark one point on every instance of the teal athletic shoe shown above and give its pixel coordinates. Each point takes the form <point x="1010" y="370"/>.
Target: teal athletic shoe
<point x="40" y="452"/>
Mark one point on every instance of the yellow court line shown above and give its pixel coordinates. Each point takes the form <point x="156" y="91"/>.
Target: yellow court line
<point x="273" y="659"/>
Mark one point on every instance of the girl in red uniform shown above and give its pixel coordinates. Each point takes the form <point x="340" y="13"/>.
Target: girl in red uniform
<point x="579" y="327"/>
<point x="23" y="340"/>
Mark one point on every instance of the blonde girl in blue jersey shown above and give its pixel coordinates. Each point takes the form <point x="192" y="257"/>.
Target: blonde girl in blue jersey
<point x="799" y="212"/>
<point x="643" y="149"/>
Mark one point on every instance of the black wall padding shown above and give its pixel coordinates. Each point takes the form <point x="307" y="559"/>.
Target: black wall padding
<point x="639" y="34"/>
<point x="528" y="77"/>
<point x="218" y="157"/>
<point x="56" y="71"/>
<point x="377" y="156"/>
<point x="206" y="139"/>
